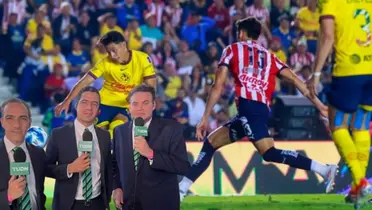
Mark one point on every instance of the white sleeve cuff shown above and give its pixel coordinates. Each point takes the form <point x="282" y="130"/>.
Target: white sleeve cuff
<point x="69" y="175"/>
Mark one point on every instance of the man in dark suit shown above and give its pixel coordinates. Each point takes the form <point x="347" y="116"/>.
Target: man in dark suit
<point x="82" y="181"/>
<point x="151" y="182"/>
<point x="23" y="192"/>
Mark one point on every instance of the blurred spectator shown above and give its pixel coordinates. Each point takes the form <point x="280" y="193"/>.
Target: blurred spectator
<point x="178" y="109"/>
<point x="150" y="33"/>
<point x="276" y="48"/>
<point x="50" y="120"/>
<point x="76" y="59"/>
<point x="128" y="10"/>
<point x="148" y="48"/>
<point x="301" y="57"/>
<point x="174" y="81"/>
<point x="135" y="34"/>
<point x="86" y="30"/>
<point x="277" y="11"/>
<point x="219" y="119"/>
<point x="108" y="22"/>
<point x="55" y="81"/>
<point x="14" y="6"/>
<point x="196" y="107"/>
<point x="56" y="57"/>
<point x="196" y="81"/>
<point x="308" y="20"/>
<point x="166" y="55"/>
<point x="64" y="27"/>
<point x="186" y="57"/>
<point x="155" y="9"/>
<point x="211" y="54"/>
<point x="38" y="47"/>
<point x="261" y="13"/>
<point x="15" y="36"/>
<point x="39" y="18"/>
<point x="284" y="33"/>
<point x="98" y="51"/>
<point x="161" y="108"/>
<point x="174" y="13"/>
<point x="220" y="14"/>
<point x="195" y="30"/>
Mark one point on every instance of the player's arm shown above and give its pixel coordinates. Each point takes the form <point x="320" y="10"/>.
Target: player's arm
<point x="150" y="81"/>
<point x="149" y="74"/>
<point x="325" y="43"/>
<point x="86" y="80"/>
<point x="289" y="76"/>
<point x="217" y="90"/>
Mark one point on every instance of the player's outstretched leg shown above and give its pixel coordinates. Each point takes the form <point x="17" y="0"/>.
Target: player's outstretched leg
<point x="362" y="141"/>
<point x="269" y="153"/>
<point x="217" y="139"/>
<point x="118" y="120"/>
<point x="339" y="125"/>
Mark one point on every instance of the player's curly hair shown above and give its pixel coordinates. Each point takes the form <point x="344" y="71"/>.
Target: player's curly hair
<point x="112" y="37"/>
<point x="251" y="25"/>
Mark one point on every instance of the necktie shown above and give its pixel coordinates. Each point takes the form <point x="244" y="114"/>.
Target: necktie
<point x="24" y="202"/>
<point x="87" y="181"/>
<point x="136" y="156"/>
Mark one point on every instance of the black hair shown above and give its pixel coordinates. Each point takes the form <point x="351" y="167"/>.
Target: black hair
<point x="88" y="89"/>
<point x="15" y="101"/>
<point x="142" y="88"/>
<point x="251" y="26"/>
<point x="112" y="37"/>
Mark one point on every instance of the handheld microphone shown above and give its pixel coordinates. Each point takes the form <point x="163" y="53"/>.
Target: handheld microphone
<point x="86" y="145"/>
<point x="19" y="167"/>
<point x="140" y="128"/>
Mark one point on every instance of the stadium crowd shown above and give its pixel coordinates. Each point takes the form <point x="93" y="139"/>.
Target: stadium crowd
<point x="46" y="46"/>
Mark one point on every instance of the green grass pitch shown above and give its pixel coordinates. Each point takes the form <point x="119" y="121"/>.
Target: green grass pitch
<point x="268" y="202"/>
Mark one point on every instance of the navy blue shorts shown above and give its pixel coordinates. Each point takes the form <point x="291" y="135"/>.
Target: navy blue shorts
<point x="251" y="121"/>
<point x="108" y="113"/>
<point x="347" y="93"/>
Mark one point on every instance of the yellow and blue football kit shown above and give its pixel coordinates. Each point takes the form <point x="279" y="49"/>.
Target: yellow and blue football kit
<point x="351" y="87"/>
<point x="119" y="80"/>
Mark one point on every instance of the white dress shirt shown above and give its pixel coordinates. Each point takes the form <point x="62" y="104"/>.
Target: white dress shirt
<point x="95" y="159"/>
<point x="31" y="178"/>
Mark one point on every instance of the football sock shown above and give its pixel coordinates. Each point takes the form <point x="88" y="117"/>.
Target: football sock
<point x="362" y="141"/>
<point x="348" y="151"/>
<point x="203" y="161"/>
<point x="288" y="157"/>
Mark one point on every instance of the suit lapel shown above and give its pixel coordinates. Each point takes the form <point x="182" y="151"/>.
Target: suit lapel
<point x="36" y="167"/>
<point x="72" y="142"/>
<point x="129" y="143"/>
<point x="4" y="159"/>
<point x="100" y="140"/>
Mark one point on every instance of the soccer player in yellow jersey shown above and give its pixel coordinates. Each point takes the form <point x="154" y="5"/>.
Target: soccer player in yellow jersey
<point x="122" y="70"/>
<point x="346" y="26"/>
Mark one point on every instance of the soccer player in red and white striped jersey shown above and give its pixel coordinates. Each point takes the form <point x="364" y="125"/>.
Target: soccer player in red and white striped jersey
<point x="254" y="70"/>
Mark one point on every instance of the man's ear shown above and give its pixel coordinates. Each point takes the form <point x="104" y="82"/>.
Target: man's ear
<point x="154" y="106"/>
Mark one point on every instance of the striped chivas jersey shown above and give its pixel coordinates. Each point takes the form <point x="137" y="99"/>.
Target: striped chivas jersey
<point x="254" y="70"/>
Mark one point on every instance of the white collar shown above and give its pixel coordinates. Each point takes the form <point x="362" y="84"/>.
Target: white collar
<point x="147" y="124"/>
<point x="10" y="146"/>
<point x="77" y="124"/>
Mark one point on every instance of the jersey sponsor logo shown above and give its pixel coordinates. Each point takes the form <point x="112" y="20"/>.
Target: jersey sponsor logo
<point x="355" y="58"/>
<point x="122" y="88"/>
<point x="367" y="58"/>
<point x="251" y="81"/>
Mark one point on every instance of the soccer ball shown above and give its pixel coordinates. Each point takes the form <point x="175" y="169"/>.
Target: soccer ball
<point x="36" y="136"/>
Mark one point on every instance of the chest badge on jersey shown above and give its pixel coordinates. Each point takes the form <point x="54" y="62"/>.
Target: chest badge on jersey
<point x="125" y="77"/>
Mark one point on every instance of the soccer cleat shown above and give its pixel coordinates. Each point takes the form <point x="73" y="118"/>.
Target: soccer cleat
<point x="330" y="178"/>
<point x="359" y="193"/>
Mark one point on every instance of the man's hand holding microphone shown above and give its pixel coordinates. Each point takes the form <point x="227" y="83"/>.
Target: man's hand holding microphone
<point x="82" y="163"/>
<point x="19" y="170"/>
<point x="140" y="143"/>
